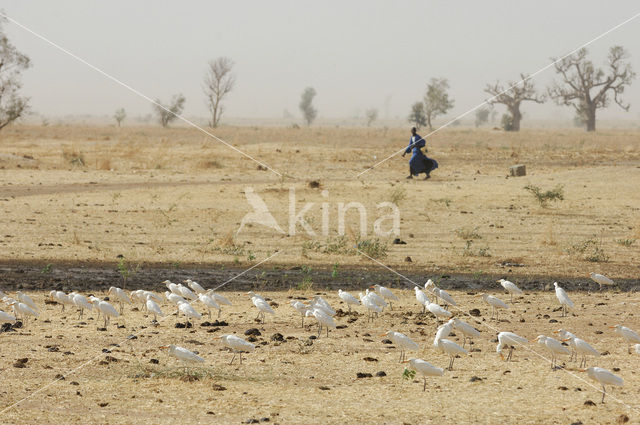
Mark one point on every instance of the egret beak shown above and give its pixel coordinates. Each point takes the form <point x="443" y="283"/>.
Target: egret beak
<point x="371" y="287"/>
<point x="565" y="340"/>
<point x="583" y="370"/>
<point x="502" y="356"/>
<point x="498" y="280"/>
<point x="216" y="337"/>
<point x="384" y="334"/>
<point x="555" y="332"/>
<point x="406" y="361"/>
<point x="533" y="340"/>
<point x="477" y="295"/>
<point x="164" y="346"/>
<point x="612" y="327"/>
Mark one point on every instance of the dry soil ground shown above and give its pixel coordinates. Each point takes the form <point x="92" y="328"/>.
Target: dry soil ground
<point x="76" y="201"/>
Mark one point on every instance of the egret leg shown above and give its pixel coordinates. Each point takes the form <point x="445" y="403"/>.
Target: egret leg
<point x="390" y="306"/>
<point x="209" y="313"/>
<point x="510" y="353"/>
<point x="240" y="357"/>
<point x="603" y="393"/>
<point x="349" y="305"/>
<point x="302" y="322"/>
<point x="424" y="386"/>
<point x="233" y="358"/>
<point x="327" y="331"/>
<point x="219" y="311"/>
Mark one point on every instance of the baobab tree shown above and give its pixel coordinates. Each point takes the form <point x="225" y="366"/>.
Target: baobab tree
<point x="512" y="96"/>
<point x="12" y="63"/>
<point x="218" y="82"/>
<point x="587" y="88"/>
<point x="436" y="99"/>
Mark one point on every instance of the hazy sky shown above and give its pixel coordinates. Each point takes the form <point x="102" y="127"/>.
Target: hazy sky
<point x="356" y="54"/>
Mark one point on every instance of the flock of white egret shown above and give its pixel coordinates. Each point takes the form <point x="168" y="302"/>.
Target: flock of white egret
<point x="435" y="301"/>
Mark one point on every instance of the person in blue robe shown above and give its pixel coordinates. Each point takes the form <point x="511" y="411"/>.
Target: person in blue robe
<point x="419" y="162"/>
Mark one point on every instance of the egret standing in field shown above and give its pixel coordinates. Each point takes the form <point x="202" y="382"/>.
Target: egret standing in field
<point x="603" y="377"/>
<point x="154" y="308"/>
<point x="509" y="339"/>
<point x="81" y="302"/>
<point x="323" y="319"/>
<point x="563" y="298"/>
<point x="467" y="330"/>
<point x="495" y="303"/>
<point x="174" y="299"/>
<point x="425" y="369"/>
<point x="386" y="294"/>
<point x="377" y="299"/>
<point x="183" y="354"/>
<point x="172" y="287"/>
<point x="195" y="286"/>
<point x="106" y="309"/>
<point x="438" y="311"/>
<point x="262" y="306"/>
<point x="570" y="338"/>
<point x="554" y="346"/>
<point x="439" y="293"/>
<point x="221" y="300"/>
<point x="61" y="298"/>
<point x="189" y="312"/>
<point x="318" y="301"/>
<point x="237" y="345"/>
<point x="629" y="336"/>
<point x="372" y="307"/>
<point x="511" y="288"/>
<point x="301" y="308"/>
<point x="402" y="341"/>
<point x="601" y="280"/>
<point x="26" y="299"/>
<point x="23" y="310"/>
<point x="450" y="348"/>
<point x="6" y="317"/>
<point x="120" y="296"/>
<point x="583" y="348"/>
<point x="209" y="303"/>
<point x="422" y="298"/>
<point x="187" y="293"/>
<point x="348" y="299"/>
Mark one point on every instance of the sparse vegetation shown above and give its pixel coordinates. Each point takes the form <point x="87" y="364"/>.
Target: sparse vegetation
<point x="468" y="233"/>
<point x="626" y="242"/>
<point x="374" y="248"/>
<point x="398" y="194"/>
<point x="544" y="197"/>
<point x="469" y="250"/>
<point x="590" y="249"/>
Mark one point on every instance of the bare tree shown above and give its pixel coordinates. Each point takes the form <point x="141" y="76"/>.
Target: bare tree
<point x="218" y="82"/>
<point x="120" y="115"/>
<point x="170" y="112"/>
<point x="436" y="99"/>
<point x="417" y="117"/>
<point x="306" y="105"/>
<point x="12" y="63"/>
<point x="512" y="96"/>
<point x="371" y="115"/>
<point x="586" y="88"/>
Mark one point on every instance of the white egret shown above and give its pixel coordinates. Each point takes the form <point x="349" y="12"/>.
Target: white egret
<point x="372" y="307"/>
<point x="445" y="329"/>
<point x="322" y="303"/>
<point x="23" y="310"/>
<point x="628" y="335"/>
<point x="495" y="303"/>
<point x="183" y="354"/>
<point x="425" y="369"/>
<point x="554" y="346"/>
<point x="438" y="311"/>
<point x="450" y="348"/>
<point x="187" y="293"/>
<point x="422" y="298"/>
<point x="120" y="296"/>
<point x="636" y="347"/>
<point x="237" y="345"/>
<point x="348" y="298"/>
<point x="61" y="298"/>
<point x="467" y="330"/>
<point x="262" y="306"/>
<point x="106" y="309"/>
<point x="601" y="280"/>
<point x="322" y="318"/>
<point x="174" y="299"/>
<point x="172" y="287"/>
<point x="301" y="308"/>
<point x="26" y="299"/>
<point x="81" y="302"/>
<point x="563" y="298"/>
<point x="509" y="339"/>
<point x="221" y="300"/>
<point x="188" y="311"/>
<point x="430" y="287"/>
<point x="93" y="300"/>
<point x="377" y="299"/>
<point x="568" y="337"/>
<point x="603" y="377"/>
<point x="209" y="303"/>
<point x="386" y="294"/>
<point x="138" y="296"/>
<point x="154" y="308"/>
<point x="439" y="293"/>
<point x="511" y="288"/>
<point x="195" y="286"/>
<point x="583" y="348"/>
<point x="6" y="317"/>
<point x="254" y="295"/>
<point x="402" y="341"/>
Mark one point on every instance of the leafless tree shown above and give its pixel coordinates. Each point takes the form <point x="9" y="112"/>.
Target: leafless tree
<point x="306" y="105"/>
<point x="371" y="115"/>
<point x="12" y="63"/>
<point x="512" y="96"/>
<point x="218" y="82"/>
<point x="168" y="113"/>
<point x="587" y="88"/>
<point x="120" y="115"/>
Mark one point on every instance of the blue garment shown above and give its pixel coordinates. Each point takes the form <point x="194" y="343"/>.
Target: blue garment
<point x="419" y="162"/>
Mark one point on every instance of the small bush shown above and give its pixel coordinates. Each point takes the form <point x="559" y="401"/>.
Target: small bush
<point x="590" y="249"/>
<point x="625" y="242"/>
<point x="398" y="195"/>
<point x="468" y="233"/>
<point x="372" y="247"/>
<point x="544" y="198"/>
